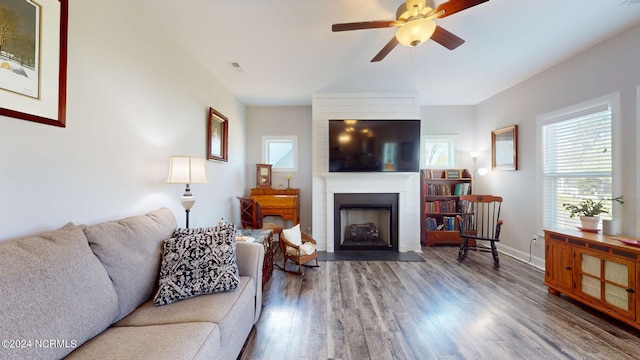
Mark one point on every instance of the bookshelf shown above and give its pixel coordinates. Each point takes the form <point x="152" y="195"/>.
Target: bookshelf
<point x="440" y="191"/>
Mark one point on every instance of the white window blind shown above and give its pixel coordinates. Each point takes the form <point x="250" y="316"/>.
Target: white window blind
<point x="576" y="162"/>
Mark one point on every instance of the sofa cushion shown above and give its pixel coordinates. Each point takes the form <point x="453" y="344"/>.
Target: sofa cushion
<point x="188" y="341"/>
<point x="201" y="262"/>
<point x="250" y="258"/>
<point x="53" y="287"/>
<point x="130" y="249"/>
<point x="233" y="311"/>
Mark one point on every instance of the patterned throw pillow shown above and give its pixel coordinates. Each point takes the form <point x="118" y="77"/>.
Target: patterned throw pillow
<point x="196" y="262"/>
<point x="182" y="232"/>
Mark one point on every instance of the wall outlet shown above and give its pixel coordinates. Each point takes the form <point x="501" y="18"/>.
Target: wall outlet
<point x="534" y="240"/>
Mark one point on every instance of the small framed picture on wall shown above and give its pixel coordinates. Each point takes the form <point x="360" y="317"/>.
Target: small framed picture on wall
<point x="217" y="130"/>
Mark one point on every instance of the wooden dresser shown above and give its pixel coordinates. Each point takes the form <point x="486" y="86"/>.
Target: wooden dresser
<point x="597" y="270"/>
<point x="279" y="202"/>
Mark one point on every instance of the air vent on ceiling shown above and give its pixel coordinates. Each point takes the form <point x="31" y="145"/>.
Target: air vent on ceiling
<point x="236" y="66"/>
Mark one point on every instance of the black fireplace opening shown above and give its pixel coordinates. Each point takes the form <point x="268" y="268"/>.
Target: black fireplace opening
<point x="365" y="221"/>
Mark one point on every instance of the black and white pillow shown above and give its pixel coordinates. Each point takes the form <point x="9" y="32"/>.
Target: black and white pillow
<point x="198" y="261"/>
<point x="182" y="232"/>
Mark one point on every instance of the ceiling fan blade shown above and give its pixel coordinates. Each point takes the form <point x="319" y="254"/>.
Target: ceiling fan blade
<point x="363" y="25"/>
<point x="385" y="50"/>
<point x="454" y="6"/>
<point x="446" y="39"/>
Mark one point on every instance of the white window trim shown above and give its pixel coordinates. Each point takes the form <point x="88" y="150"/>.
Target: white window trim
<point x="452" y="138"/>
<point x="637" y="174"/>
<point x="289" y="138"/>
<point x="612" y="100"/>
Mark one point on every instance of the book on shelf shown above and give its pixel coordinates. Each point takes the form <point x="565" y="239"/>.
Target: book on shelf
<point x="462" y="189"/>
<point x="440" y="207"/>
<point x="468" y="222"/>
<point x="431" y="224"/>
<point x="437" y="189"/>
<point x="448" y="223"/>
<point x="466" y="207"/>
<point x="429" y="174"/>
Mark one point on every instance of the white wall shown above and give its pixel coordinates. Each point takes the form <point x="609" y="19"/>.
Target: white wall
<point x="282" y="121"/>
<point x="607" y="68"/>
<point x="135" y="97"/>
<point x="453" y="120"/>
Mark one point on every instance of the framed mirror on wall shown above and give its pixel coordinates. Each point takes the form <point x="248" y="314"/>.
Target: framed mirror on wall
<point x="504" y="148"/>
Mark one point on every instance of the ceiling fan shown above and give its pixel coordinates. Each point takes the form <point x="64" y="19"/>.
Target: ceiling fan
<point x="415" y="24"/>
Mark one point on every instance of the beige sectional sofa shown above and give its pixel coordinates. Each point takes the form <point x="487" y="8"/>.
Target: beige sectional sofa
<point x="86" y="292"/>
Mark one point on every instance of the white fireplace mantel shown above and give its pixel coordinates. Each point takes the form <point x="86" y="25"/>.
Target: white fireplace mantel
<point x="403" y="184"/>
<point x="366" y="175"/>
<point x="368" y="182"/>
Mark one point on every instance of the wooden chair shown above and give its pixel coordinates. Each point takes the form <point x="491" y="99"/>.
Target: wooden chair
<point x="251" y="216"/>
<point x="479" y="221"/>
<point x="299" y="254"/>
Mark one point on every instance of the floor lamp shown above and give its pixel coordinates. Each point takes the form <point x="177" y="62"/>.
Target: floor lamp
<point x="187" y="170"/>
<point x="481" y="171"/>
<point x="474" y="155"/>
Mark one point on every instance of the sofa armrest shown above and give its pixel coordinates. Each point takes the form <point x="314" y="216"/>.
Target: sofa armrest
<point x="250" y="259"/>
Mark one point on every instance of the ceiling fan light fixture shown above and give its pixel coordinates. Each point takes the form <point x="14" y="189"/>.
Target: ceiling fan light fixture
<point x="415" y="32"/>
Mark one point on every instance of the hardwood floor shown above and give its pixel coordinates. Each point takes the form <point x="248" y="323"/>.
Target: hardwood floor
<point x="438" y="309"/>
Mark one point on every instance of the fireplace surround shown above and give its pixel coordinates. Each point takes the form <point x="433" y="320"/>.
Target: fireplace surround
<point x="365" y="221"/>
<point x="405" y="185"/>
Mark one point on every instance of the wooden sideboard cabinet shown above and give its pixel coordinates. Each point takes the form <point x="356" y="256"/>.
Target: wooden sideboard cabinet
<point x="279" y="202"/>
<point x="597" y="270"/>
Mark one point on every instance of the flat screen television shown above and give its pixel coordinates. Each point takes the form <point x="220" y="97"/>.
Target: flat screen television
<point x="374" y="145"/>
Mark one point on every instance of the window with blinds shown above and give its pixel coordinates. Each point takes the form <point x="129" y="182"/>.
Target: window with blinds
<point x="577" y="162"/>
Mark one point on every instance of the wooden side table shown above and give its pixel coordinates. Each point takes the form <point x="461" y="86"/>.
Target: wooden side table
<point x="264" y="237"/>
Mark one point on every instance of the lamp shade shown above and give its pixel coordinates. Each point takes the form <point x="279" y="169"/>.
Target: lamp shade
<point x="415" y="32"/>
<point x="186" y="170"/>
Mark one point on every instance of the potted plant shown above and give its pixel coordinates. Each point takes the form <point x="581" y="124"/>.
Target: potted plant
<point x="589" y="211"/>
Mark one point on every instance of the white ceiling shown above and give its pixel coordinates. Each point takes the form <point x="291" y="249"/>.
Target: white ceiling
<point x="288" y="52"/>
